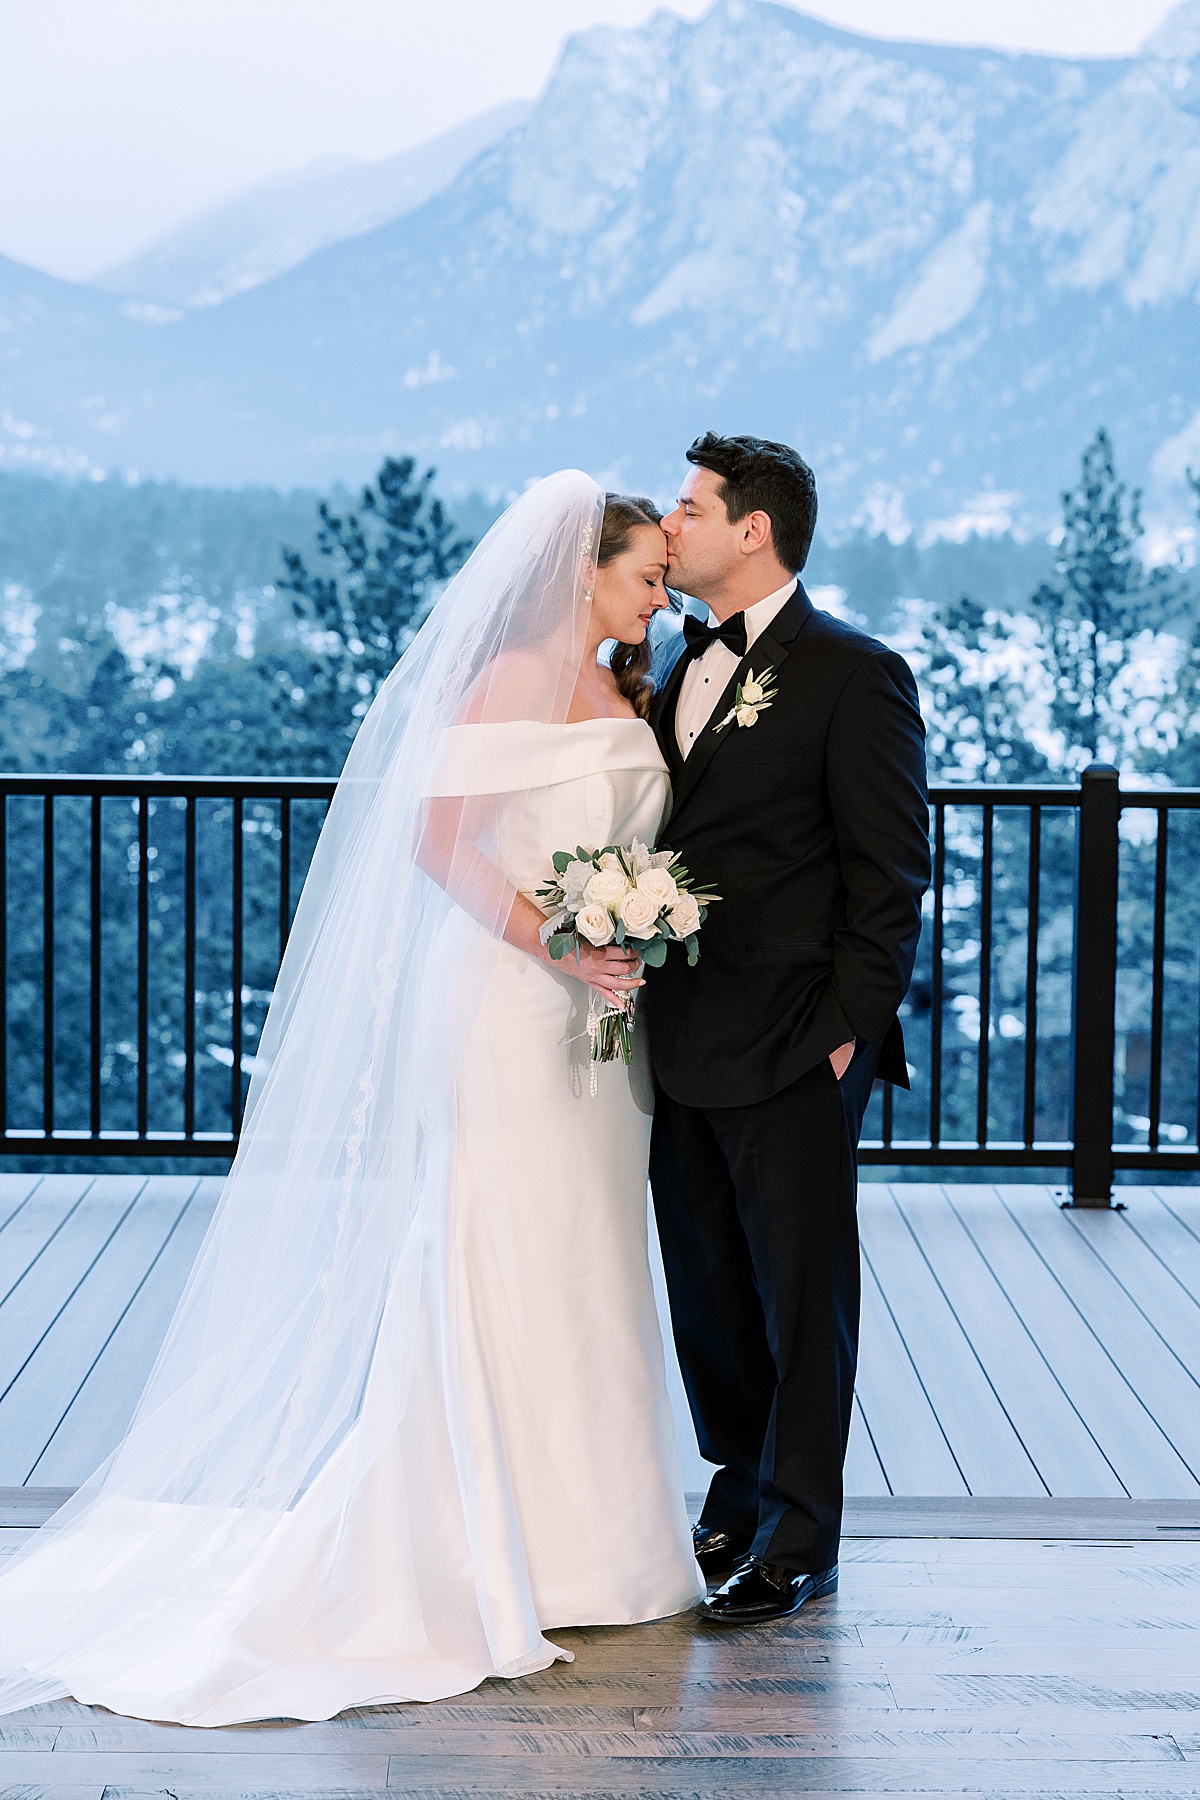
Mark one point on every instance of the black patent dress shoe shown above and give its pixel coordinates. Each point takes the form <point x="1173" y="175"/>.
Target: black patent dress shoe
<point x="758" y="1591"/>
<point x="718" y="1552"/>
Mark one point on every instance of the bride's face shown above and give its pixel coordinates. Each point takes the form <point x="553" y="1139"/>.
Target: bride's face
<point x="629" y="589"/>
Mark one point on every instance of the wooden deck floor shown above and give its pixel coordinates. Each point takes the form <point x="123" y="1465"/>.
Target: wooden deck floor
<point x="940" y="1668"/>
<point x="1008" y="1347"/>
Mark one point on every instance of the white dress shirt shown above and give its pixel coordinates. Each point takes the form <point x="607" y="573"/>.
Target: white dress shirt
<point x="707" y="676"/>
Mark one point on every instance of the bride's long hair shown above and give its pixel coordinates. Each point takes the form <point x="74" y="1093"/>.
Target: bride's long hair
<point x="257" y="1396"/>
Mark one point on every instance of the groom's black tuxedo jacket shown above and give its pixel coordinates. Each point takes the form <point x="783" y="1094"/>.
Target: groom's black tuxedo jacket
<point x="813" y="826"/>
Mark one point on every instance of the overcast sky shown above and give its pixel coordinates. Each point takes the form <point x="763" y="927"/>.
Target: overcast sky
<point x="119" y="118"/>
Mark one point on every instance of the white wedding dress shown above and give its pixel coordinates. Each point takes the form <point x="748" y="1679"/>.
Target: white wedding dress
<point x="522" y="1471"/>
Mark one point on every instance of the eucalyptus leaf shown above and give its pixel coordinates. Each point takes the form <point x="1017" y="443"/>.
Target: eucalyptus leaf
<point x="561" y="860"/>
<point x="654" y="953"/>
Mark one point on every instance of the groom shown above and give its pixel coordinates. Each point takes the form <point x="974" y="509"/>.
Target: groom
<point x="806" y="810"/>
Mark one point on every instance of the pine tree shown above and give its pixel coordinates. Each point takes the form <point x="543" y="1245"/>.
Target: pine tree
<point x="1183" y="763"/>
<point x="978" y="672"/>
<point x="1099" y="602"/>
<point x="387" y="561"/>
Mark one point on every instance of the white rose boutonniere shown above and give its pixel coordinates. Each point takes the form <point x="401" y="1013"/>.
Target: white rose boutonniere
<point x="754" y="696"/>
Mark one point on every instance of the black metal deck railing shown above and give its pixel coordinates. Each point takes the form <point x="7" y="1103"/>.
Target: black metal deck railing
<point x="1053" y="1021"/>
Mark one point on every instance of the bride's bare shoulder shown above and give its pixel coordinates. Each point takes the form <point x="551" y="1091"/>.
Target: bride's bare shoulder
<point x="514" y="685"/>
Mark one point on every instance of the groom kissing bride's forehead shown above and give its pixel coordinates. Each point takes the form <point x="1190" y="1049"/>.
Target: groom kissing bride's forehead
<point x="796" y="753"/>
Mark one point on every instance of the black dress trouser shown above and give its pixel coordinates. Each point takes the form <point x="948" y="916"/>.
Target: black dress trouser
<point x="756" y="1213"/>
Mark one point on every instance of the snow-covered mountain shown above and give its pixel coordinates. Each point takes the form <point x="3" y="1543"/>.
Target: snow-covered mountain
<point x="274" y="225"/>
<point x="936" y="270"/>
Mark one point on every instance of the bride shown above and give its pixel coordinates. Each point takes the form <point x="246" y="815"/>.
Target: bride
<point x="411" y="1413"/>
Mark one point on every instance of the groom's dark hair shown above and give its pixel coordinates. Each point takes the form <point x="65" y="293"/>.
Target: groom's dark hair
<point x="760" y="476"/>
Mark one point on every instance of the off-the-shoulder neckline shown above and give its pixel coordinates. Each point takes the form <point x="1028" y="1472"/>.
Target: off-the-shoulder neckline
<point x="560" y="725"/>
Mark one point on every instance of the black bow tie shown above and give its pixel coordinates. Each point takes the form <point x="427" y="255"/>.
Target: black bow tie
<point x="732" y="632"/>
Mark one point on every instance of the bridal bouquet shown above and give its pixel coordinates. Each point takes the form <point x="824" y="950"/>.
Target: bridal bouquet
<point x="625" y="895"/>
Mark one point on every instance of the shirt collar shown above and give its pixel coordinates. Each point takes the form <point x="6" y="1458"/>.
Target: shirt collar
<point x="759" y="616"/>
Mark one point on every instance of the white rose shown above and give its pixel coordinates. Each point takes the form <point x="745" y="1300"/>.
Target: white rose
<point x="639" y="914"/>
<point x="746" y="715"/>
<point x="684" y="916"/>
<point x="659" y="886"/>
<point x="596" y="925"/>
<point x="610" y="860"/>
<point x="574" y="880"/>
<point x="607" y="887"/>
<point x="751" y="693"/>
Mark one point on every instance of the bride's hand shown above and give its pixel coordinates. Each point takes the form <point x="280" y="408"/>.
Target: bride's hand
<point x="613" y="973"/>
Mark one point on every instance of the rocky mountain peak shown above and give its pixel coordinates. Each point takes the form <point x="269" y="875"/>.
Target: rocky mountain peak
<point x="1177" y="39"/>
<point x="936" y="269"/>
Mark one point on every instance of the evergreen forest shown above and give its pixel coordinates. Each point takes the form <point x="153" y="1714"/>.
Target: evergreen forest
<point x="161" y="630"/>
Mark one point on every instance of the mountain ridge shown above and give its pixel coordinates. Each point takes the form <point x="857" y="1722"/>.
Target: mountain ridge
<point x="252" y="236"/>
<point x="936" y="269"/>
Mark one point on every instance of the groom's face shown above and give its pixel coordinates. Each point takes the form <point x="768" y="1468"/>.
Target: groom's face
<point x="702" y="545"/>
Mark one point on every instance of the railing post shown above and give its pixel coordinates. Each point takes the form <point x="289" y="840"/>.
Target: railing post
<point x="1094" y="1005"/>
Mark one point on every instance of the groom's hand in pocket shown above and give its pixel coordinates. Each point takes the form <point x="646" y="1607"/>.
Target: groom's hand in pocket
<point x="840" y="1059"/>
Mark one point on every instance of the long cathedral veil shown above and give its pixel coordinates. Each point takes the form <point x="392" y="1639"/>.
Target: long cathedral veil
<point x="256" y="1400"/>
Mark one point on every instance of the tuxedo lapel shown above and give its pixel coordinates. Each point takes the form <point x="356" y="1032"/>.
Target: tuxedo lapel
<point x="769" y="651"/>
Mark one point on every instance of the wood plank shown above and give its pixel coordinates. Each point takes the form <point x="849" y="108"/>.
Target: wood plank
<point x="222" y="1768"/>
<point x="796" y="1746"/>
<point x="15" y="1190"/>
<point x="34" y="1226"/>
<point x="986" y="1448"/>
<point x="31" y="1307"/>
<point x="702" y="1777"/>
<point x="1061" y="1448"/>
<point x="1170" y="1227"/>
<point x="587" y="1783"/>
<point x="864" y="1471"/>
<point x="1166" y="1388"/>
<point x="1014" y="1693"/>
<point x="1168" y="1308"/>
<point x="956" y="1516"/>
<point x="22" y="1507"/>
<point x="384" y="1728"/>
<point x="103" y="1405"/>
<point x="186" y="1787"/>
<point x="912" y="1448"/>
<point x="1143" y="1459"/>
<point x="37" y="1400"/>
<point x="869" y="1748"/>
<point x="184" y="1790"/>
<point x="657" y="1732"/>
<point x="38" y="1790"/>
